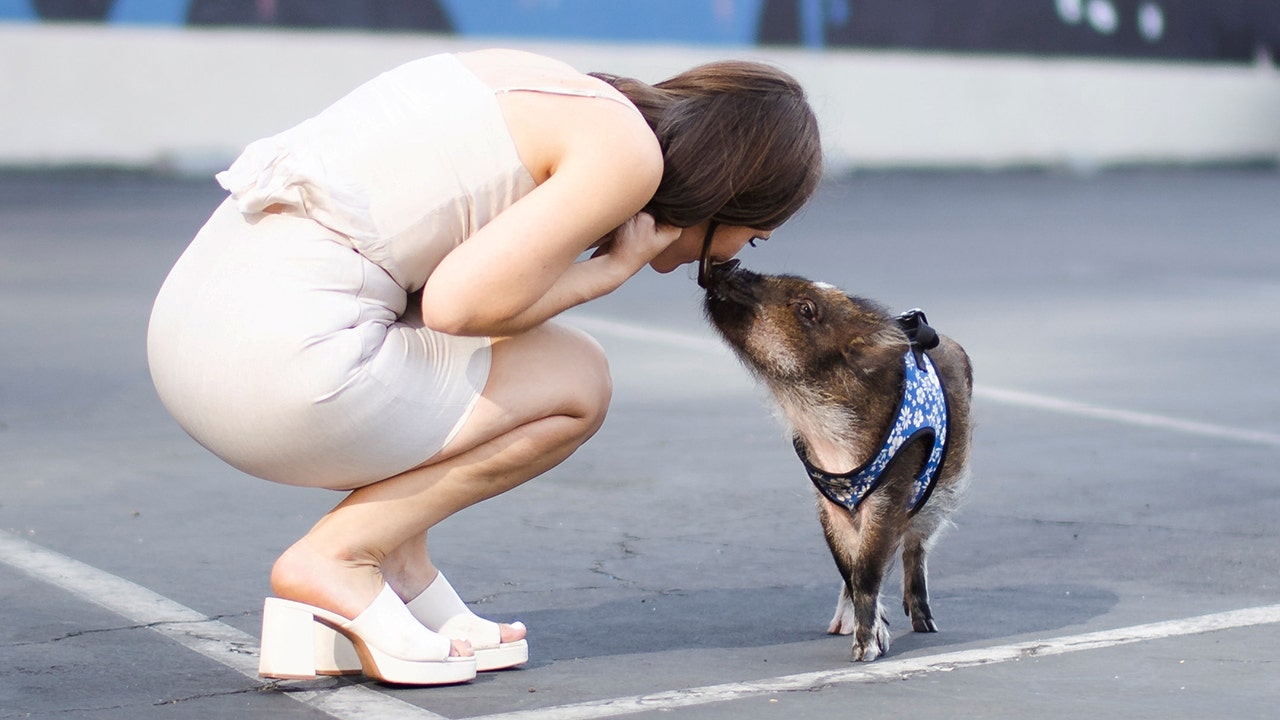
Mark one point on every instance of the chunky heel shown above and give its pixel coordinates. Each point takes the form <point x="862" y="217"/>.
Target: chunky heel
<point x="388" y="644"/>
<point x="334" y="653"/>
<point x="288" y="641"/>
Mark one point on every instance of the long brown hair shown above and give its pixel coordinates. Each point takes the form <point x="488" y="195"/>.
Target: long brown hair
<point x="740" y="144"/>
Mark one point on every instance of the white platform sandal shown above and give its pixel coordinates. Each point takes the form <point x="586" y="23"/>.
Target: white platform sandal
<point x="439" y="609"/>
<point x="384" y="642"/>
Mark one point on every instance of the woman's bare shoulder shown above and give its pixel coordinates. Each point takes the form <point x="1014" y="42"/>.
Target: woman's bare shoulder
<point x="502" y="67"/>
<point x="602" y="147"/>
<point x="590" y="122"/>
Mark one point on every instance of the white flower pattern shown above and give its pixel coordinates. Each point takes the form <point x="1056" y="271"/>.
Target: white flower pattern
<point x="923" y="410"/>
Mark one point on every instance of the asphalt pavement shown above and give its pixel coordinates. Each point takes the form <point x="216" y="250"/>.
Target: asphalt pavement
<point x="1118" y="556"/>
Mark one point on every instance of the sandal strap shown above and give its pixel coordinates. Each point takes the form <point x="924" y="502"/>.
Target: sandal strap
<point x="440" y="609"/>
<point x="388" y="625"/>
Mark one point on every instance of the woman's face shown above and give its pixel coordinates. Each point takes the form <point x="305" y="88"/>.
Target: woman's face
<point x="728" y="241"/>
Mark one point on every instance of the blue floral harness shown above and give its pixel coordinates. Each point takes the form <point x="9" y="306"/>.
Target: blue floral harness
<point x="922" y="413"/>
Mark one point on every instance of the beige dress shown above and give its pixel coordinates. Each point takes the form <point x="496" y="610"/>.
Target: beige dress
<point x="284" y="339"/>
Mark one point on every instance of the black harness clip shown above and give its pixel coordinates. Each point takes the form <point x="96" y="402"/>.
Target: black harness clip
<point x="921" y="335"/>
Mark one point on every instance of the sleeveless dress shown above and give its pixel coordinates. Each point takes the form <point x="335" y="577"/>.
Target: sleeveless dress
<point x="285" y="339"/>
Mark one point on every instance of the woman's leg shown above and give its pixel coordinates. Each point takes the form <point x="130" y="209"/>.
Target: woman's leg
<point x="547" y="393"/>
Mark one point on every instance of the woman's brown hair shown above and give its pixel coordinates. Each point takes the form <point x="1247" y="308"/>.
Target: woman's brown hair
<point x="740" y="144"/>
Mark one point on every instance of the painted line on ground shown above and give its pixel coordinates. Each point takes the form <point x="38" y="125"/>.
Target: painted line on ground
<point x="196" y="632"/>
<point x="632" y="331"/>
<point x="1126" y="417"/>
<point x="1016" y="398"/>
<point x="238" y="650"/>
<point x="899" y="669"/>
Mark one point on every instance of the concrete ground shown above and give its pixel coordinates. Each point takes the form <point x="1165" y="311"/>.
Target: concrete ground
<point x="1119" y="555"/>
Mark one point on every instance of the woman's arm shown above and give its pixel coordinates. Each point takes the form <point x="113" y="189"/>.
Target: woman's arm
<point x="519" y="270"/>
<point x="632" y="246"/>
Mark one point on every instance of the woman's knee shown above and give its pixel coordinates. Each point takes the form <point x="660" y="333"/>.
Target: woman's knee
<point x="587" y="375"/>
<point x="551" y="370"/>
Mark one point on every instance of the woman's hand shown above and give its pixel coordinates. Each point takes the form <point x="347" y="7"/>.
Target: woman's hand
<point x="637" y="241"/>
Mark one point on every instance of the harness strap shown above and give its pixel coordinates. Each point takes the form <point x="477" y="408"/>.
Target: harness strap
<point x="922" y="412"/>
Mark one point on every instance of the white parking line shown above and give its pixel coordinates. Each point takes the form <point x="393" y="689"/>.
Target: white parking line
<point x="215" y="640"/>
<point x="898" y="669"/>
<point x="689" y="341"/>
<point x="239" y="651"/>
<point x="631" y="331"/>
<point x="1127" y="417"/>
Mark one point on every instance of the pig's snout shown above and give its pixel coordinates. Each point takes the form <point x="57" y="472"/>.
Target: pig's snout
<point x="726" y="282"/>
<point x="709" y="274"/>
<point x="724" y="268"/>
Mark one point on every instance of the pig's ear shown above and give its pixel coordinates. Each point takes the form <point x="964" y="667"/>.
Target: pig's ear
<point x="855" y="351"/>
<point x="877" y="350"/>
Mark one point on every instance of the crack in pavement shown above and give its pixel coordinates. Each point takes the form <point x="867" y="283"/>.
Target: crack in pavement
<point x="252" y="690"/>
<point x="138" y="626"/>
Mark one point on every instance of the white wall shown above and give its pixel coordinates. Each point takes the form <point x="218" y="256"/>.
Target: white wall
<point x="190" y="99"/>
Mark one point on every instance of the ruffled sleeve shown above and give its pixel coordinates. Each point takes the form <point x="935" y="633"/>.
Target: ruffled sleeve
<point x="275" y="171"/>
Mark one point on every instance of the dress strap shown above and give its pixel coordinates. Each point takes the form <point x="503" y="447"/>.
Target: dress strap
<point x="575" y="92"/>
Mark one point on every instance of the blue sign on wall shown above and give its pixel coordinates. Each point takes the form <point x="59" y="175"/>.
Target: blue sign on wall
<point x="1212" y="30"/>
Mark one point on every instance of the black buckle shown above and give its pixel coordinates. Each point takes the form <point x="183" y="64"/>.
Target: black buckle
<point x="919" y="333"/>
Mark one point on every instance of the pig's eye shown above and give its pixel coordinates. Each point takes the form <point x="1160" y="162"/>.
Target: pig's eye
<point x="806" y="310"/>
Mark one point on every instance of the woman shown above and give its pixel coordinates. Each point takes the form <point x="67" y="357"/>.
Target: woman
<point x="370" y="311"/>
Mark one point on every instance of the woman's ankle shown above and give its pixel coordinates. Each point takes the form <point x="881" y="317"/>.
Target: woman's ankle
<point x="309" y="575"/>
<point x="409" y="577"/>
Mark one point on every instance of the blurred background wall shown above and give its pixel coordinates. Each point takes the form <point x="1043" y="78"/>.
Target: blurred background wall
<point x="184" y="84"/>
